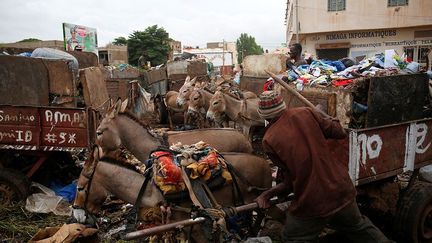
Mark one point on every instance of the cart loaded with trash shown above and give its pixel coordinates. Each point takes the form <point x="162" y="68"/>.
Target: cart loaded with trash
<point x="43" y="123"/>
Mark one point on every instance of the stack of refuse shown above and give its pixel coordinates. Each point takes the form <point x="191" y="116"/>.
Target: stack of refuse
<point x="341" y="73"/>
<point x="349" y="81"/>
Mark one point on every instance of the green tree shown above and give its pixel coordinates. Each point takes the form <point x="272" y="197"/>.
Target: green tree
<point x="28" y="40"/>
<point x="120" y="41"/>
<point x="152" y="44"/>
<point x="246" y="45"/>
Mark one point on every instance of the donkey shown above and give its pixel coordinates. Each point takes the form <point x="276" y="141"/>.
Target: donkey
<point x="100" y="178"/>
<point x="172" y="106"/>
<point x="190" y="86"/>
<point x="243" y="112"/>
<point x="216" y="113"/>
<point x="172" y="101"/>
<point x="122" y="128"/>
<point x="196" y="112"/>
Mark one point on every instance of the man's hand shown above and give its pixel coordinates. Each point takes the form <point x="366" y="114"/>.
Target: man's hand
<point x="263" y="201"/>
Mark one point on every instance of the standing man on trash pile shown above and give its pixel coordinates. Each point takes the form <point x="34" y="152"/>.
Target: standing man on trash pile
<point x="295" y="55"/>
<point x="295" y="141"/>
<point x="429" y="60"/>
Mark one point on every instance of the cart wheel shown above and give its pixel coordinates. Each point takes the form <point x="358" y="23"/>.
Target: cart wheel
<point x="161" y="111"/>
<point x="14" y="186"/>
<point x="414" y="215"/>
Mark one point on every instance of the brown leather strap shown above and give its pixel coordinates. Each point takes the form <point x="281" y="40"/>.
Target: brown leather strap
<point x="188" y="184"/>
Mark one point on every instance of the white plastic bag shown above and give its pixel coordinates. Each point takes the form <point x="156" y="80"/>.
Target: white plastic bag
<point x="426" y="173"/>
<point x="46" y="201"/>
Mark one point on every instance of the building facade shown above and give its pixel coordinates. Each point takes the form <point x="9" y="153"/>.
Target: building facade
<point x="112" y="54"/>
<point x="335" y="29"/>
<point x="175" y="49"/>
<point x="230" y="47"/>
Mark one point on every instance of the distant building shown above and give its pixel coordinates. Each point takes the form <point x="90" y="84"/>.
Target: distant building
<point x="176" y="46"/>
<point x="222" y="58"/>
<point x="335" y="29"/>
<point x="229" y="47"/>
<point x="113" y="54"/>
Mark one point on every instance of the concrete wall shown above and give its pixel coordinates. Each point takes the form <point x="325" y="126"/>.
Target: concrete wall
<point x="365" y="27"/>
<point x="314" y="16"/>
<point x="56" y="44"/>
<point x="366" y="42"/>
<point x="116" y="54"/>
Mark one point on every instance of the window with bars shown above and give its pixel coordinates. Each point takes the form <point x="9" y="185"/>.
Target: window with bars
<point x="392" y="3"/>
<point x="336" y="5"/>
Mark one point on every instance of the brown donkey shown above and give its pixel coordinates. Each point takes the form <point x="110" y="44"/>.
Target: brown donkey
<point x="118" y="129"/>
<point x="107" y="177"/>
<point x="243" y="112"/>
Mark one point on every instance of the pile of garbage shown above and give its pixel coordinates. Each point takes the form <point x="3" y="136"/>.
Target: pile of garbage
<point x="341" y="73"/>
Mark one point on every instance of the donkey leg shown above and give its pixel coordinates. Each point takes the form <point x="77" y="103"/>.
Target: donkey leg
<point x="170" y="119"/>
<point x="246" y="131"/>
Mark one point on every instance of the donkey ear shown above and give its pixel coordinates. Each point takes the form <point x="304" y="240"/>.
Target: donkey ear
<point x="193" y="81"/>
<point x="109" y="106"/>
<point x="117" y="107"/>
<point x="187" y="79"/>
<point x="124" y="105"/>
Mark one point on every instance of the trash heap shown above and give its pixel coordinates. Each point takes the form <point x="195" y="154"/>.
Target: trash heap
<point x="344" y="72"/>
<point x="347" y="77"/>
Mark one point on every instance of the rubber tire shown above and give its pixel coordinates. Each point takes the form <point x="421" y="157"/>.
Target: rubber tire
<point x="17" y="182"/>
<point x="162" y="112"/>
<point x="412" y="205"/>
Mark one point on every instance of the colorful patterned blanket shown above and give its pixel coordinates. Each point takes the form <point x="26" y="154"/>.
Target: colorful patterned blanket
<point x="200" y="160"/>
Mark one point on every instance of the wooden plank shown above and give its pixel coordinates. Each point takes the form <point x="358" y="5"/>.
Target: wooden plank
<point x="395" y="99"/>
<point x="94" y="87"/>
<point x="23" y="81"/>
<point x="60" y="78"/>
<point x="254" y="65"/>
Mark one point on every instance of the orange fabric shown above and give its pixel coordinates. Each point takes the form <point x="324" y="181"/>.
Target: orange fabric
<point x="211" y="159"/>
<point x="170" y="171"/>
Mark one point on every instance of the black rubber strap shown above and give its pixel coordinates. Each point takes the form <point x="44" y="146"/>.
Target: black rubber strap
<point x="147" y="176"/>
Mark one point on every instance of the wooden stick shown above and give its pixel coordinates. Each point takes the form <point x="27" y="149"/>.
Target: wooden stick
<point x="162" y="228"/>
<point x="188" y="222"/>
<point x="291" y="90"/>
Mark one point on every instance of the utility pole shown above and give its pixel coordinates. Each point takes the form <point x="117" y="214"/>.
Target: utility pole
<point x="297" y="22"/>
<point x="223" y="53"/>
<point x="223" y="57"/>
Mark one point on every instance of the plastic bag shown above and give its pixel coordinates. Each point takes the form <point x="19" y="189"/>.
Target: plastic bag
<point x="46" y="202"/>
<point x="426" y="173"/>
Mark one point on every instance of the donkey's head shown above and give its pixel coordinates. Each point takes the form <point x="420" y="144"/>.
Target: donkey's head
<point x="108" y="135"/>
<point x="217" y="105"/>
<point x="185" y="91"/>
<point x="86" y="202"/>
<point x="196" y="100"/>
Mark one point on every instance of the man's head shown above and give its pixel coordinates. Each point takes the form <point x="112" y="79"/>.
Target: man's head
<point x="73" y="31"/>
<point x="295" y="50"/>
<point x="270" y="105"/>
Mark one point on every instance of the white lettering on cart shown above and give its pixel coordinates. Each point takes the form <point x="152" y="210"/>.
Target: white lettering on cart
<point x="6" y="135"/>
<point x="4" y="117"/>
<point x="57" y="117"/>
<point x="414" y="139"/>
<point x="362" y="147"/>
<point x="60" y="138"/>
<point x="27" y="136"/>
<point x="422" y="130"/>
<point x="371" y="145"/>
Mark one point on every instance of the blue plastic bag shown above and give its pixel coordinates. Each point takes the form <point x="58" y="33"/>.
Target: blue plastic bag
<point x="68" y="192"/>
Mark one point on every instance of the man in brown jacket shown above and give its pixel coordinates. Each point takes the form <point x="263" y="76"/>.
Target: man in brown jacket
<point x="324" y="194"/>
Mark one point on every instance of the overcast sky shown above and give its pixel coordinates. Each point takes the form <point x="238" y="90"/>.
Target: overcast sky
<point x="193" y="22"/>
